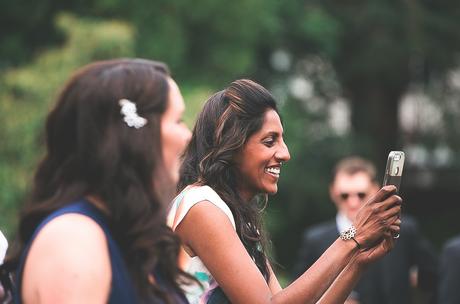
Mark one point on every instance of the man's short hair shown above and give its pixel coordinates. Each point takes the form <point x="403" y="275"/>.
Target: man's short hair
<point x="355" y="164"/>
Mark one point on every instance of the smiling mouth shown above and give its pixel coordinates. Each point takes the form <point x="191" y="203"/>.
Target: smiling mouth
<point x="273" y="171"/>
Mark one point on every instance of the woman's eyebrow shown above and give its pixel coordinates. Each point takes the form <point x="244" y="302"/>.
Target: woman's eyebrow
<point x="274" y="133"/>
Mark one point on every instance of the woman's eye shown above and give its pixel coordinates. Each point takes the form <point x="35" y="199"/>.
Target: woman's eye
<point x="269" y="142"/>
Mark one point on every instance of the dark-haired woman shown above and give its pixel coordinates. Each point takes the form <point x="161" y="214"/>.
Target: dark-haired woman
<point x="94" y="230"/>
<point x="234" y="159"/>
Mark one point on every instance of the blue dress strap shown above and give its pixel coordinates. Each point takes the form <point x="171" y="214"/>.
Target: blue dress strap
<point x="122" y="289"/>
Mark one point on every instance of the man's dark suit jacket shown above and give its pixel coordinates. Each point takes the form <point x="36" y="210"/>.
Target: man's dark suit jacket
<point x="449" y="283"/>
<point x="387" y="280"/>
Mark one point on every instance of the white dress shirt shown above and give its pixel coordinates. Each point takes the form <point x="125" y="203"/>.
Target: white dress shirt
<point x="342" y="221"/>
<point x="3" y="247"/>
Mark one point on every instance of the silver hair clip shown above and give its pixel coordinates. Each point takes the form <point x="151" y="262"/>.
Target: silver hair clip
<point x="129" y="111"/>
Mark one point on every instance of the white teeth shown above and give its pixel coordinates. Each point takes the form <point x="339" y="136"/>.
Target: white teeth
<point x="273" y="170"/>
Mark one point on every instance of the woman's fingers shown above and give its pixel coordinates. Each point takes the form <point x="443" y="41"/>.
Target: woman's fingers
<point x="394" y="229"/>
<point x="390" y="202"/>
<point x="381" y="222"/>
<point x="391" y="215"/>
<point x="389" y="241"/>
<point x="391" y="225"/>
<point x="384" y="193"/>
<point x="380" y="214"/>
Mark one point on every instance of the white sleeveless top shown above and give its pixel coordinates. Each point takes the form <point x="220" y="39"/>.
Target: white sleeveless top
<point x="190" y="196"/>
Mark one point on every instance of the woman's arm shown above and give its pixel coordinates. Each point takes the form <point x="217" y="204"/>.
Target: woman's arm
<point x="378" y="217"/>
<point x="68" y="262"/>
<point x="211" y="236"/>
<point x="273" y="284"/>
<point x="311" y="285"/>
<point x="209" y="233"/>
<point x="343" y="285"/>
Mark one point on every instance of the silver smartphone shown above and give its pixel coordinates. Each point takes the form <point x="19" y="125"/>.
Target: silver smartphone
<point x="394" y="169"/>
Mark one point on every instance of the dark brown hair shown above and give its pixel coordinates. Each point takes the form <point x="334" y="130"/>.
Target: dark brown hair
<point x="92" y="151"/>
<point x="223" y="127"/>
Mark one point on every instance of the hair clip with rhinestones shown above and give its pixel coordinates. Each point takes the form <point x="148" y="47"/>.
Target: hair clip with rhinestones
<point x="130" y="116"/>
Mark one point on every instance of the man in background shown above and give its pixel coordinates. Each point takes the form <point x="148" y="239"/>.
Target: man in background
<point x="412" y="261"/>
<point x="3" y="248"/>
<point x="449" y="282"/>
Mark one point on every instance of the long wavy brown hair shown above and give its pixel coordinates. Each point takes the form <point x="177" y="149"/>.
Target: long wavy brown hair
<point x="226" y="122"/>
<point x="90" y="150"/>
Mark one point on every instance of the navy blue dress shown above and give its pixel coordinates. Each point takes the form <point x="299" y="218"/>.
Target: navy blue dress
<point x="122" y="289"/>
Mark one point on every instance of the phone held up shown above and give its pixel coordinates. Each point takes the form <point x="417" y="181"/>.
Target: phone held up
<point x="394" y="169"/>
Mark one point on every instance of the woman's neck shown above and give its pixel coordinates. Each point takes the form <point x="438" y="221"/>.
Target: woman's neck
<point x="246" y="195"/>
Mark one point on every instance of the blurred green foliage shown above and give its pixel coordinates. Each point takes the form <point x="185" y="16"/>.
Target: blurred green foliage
<point x="378" y="50"/>
<point x="27" y="94"/>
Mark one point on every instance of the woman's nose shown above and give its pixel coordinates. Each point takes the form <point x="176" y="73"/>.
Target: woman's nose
<point x="283" y="153"/>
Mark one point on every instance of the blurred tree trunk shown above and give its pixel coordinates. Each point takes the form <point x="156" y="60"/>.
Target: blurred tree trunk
<point x="374" y="117"/>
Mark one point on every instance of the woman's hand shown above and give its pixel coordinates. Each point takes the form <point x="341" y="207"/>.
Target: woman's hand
<point x="365" y="257"/>
<point x="377" y="217"/>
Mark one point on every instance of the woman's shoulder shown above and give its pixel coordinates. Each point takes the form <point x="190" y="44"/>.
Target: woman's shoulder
<point x="69" y="252"/>
<point x="79" y="225"/>
<point x="71" y="224"/>
<point x="192" y="195"/>
<point x="201" y="191"/>
<point x="74" y="237"/>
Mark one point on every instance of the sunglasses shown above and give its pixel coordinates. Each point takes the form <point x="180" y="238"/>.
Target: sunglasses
<point x="345" y="196"/>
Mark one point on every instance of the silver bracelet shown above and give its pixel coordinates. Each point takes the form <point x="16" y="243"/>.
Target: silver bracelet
<point x="350" y="234"/>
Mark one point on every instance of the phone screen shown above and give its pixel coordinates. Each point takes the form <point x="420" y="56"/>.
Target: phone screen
<point x="394" y="169"/>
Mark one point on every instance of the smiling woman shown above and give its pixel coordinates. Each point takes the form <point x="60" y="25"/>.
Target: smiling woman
<point x="258" y="164"/>
<point x="235" y="157"/>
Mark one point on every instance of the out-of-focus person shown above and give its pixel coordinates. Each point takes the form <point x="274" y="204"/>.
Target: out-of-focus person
<point x="449" y="272"/>
<point x="412" y="262"/>
<point x="94" y="229"/>
<point x="3" y="247"/>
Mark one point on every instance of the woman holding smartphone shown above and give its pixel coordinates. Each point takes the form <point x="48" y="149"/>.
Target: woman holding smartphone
<point x="232" y="162"/>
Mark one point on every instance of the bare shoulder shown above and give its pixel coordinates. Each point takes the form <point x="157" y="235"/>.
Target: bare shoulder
<point x="205" y="224"/>
<point x="68" y="259"/>
<point x="72" y="236"/>
<point x="207" y="230"/>
<point x="204" y="216"/>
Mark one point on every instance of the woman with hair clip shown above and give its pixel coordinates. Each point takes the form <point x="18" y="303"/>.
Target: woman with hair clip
<point x="94" y="229"/>
<point x="233" y="161"/>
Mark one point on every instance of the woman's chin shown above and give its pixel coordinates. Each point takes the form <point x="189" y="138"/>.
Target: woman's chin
<point x="272" y="190"/>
